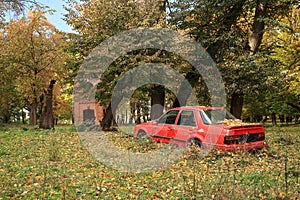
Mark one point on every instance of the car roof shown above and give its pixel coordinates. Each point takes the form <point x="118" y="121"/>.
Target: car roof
<point x="197" y="108"/>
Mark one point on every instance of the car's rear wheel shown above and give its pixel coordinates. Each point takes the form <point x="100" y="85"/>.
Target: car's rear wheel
<point x="142" y="134"/>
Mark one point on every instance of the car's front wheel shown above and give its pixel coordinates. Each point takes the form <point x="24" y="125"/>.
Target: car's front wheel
<point x="142" y="134"/>
<point x="195" y="143"/>
<point x="196" y="147"/>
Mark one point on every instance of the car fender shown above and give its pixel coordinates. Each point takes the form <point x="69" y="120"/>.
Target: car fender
<point x="142" y="128"/>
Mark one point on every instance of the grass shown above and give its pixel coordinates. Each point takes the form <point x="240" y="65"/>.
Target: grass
<point x="38" y="164"/>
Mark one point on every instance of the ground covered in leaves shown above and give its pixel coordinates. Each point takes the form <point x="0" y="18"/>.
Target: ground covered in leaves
<point x="37" y="164"/>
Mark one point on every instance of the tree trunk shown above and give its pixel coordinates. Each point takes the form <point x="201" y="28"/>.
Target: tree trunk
<point x="139" y="114"/>
<point x="6" y="115"/>
<point x="254" y="42"/>
<point x="273" y="116"/>
<point x="110" y="111"/>
<point x="157" y="101"/>
<point x="107" y="119"/>
<point x="265" y="119"/>
<point x="184" y="92"/>
<point x="46" y="119"/>
<point x="237" y="100"/>
<point x="281" y="118"/>
<point x="23" y="116"/>
<point x="158" y="91"/>
<point x="258" y="26"/>
<point x="32" y="114"/>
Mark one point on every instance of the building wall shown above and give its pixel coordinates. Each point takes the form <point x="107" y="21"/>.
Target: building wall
<point x="79" y="108"/>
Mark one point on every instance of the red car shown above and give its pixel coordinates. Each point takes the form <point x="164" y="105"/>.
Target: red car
<point x="204" y="126"/>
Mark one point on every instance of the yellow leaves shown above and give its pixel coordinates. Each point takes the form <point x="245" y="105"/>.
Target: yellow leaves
<point x="236" y="122"/>
<point x="34" y="53"/>
<point x="190" y="17"/>
<point x="33" y="14"/>
<point x="157" y="174"/>
<point x="24" y="193"/>
<point x="281" y="194"/>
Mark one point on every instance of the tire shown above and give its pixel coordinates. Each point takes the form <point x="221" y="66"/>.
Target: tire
<point x="142" y="134"/>
<point x="195" y="143"/>
<point x="196" y="148"/>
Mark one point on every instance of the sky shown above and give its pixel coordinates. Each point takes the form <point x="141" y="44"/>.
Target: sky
<point x="56" y="18"/>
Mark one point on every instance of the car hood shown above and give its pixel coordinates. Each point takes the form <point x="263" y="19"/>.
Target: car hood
<point x="146" y="123"/>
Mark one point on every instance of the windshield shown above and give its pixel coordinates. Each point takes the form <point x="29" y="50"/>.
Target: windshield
<point x="215" y="116"/>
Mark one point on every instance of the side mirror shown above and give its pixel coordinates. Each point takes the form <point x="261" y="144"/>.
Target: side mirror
<point x="154" y="122"/>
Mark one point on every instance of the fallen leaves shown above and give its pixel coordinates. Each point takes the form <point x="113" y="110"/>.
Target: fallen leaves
<point x="268" y="174"/>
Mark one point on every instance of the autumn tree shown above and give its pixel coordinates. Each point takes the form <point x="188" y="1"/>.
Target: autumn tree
<point x="283" y="39"/>
<point x="285" y="42"/>
<point x="34" y="55"/>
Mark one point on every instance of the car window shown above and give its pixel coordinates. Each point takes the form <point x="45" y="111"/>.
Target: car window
<point x="205" y="118"/>
<point x="169" y="117"/>
<point x="215" y="116"/>
<point x="187" y="118"/>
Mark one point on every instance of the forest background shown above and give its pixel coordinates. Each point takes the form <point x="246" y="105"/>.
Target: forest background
<point x="254" y="43"/>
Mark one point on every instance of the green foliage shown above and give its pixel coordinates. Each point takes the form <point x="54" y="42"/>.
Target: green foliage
<point x="96" y="21"/>
<point x="223" y="27"/>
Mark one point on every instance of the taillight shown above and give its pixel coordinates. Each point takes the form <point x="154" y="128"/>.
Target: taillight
<point x="261" y="136"/>
<point x="244" y="138"/>
<point x="231" y="139"/>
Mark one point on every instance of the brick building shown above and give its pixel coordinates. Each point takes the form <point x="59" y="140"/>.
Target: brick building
<point x="88" y="110"/>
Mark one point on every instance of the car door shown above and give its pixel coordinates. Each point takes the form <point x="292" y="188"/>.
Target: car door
<point x="186" y="126"/>
<point x="166" y="126"/>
